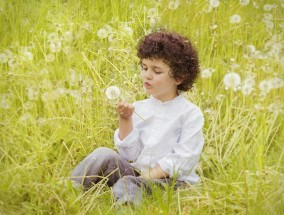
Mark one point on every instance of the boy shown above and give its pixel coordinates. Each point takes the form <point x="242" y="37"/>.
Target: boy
<point x="168" y="142"/>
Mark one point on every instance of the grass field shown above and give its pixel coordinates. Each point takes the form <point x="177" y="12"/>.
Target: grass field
<point x="57" y="58"/>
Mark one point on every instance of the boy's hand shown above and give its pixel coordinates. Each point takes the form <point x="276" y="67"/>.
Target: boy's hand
<point x="154" y="173"/>
<point x="124" y="109"/>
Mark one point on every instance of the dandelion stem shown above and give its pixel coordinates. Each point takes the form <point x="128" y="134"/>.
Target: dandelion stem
<point x="139" y="116"/>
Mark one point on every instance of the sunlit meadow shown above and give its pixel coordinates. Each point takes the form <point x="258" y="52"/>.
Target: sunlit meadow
<point x="57" y="58"/>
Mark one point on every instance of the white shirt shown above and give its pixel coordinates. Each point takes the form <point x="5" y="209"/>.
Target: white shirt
<point x="170" y="135"/>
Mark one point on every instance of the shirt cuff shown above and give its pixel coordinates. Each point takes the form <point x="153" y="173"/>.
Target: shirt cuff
<point x="128" y="141"/>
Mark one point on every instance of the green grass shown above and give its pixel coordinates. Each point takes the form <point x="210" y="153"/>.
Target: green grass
<point x="55" y="112"/>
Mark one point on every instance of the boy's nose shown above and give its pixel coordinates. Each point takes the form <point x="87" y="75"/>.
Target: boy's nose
<point x="148" y="74"/>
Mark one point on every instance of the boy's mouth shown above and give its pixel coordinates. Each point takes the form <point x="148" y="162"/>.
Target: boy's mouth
<point x="147" y="85"/>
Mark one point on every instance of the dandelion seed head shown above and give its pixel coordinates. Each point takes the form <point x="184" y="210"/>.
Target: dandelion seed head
<point x="67" y="50"/>
<point x="68" y="36"/>
<point x="49" y="57"/>
<point x="8" y="53"/>
<point x="277" y="82"/>
<point x="4" y="103"/>
<point x="206" y="72"/>
<point x="265" y="86"/>
<point x="173" y="5"/>
<point x="28" y="55"/>
<point x="102" y="33"/>
<point x="269" y="7"/>
<point x="249" y="82"/>
<point x="55" y="46"/>
<point x="128" y="30"/>
<point x="87" y="26"/>
<point x="52" y="36"/>
<point x="214" y="3"/>
<point x="276" y="107"/>
<point x="152" y="12"/>
<point x="3" y="58"/>
<point x="232" y="80"/>
<point x="244" y="2"/>
<point x="33" y="93"/>
<point x="112" y="37"/>
<point x="25" y="117"/>
<point x="267" y="16"/>
<point x="247" y="89"/>
<point x="112" y="92"/>
<point x="235" y="19"/>
<point x="269" y="24"/>
<point x="13" y="62"/>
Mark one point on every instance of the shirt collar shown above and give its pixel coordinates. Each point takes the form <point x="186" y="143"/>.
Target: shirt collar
<point x="153" y="100"/>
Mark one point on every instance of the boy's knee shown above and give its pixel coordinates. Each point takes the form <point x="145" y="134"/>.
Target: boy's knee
<point x="103" y="152"/>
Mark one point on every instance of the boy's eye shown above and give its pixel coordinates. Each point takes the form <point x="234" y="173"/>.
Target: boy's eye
<point x="157" y="72"/>
<point x="142" y="67"/>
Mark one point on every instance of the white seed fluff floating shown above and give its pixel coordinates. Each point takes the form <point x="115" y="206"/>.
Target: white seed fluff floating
<point x="112" y="92"/>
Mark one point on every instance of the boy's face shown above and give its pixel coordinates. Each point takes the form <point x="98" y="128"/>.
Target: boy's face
<point x="157" y="81"/>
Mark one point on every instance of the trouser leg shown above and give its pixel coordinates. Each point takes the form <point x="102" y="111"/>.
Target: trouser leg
<point x="101" y="163"/>
<point x="130" y="188"/>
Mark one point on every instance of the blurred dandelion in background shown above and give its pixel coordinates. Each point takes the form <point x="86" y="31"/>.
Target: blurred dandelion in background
<point x="3" y="58"/>
<point x="214" y="3"/>
<point x="173" y="5"/>
<point x="232" y="80"/>
<point x="49" y="57"/>
<point x="33" y="93"/>
<point x="235" y="19"/>
<point x="269" y="7"/>
<point x="4" y="104"/>
<point x="244" y="2"/>
<point x="206" y="72"/>
<point x="112" y="92"/>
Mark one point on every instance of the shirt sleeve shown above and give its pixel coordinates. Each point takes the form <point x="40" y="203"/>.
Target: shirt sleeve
<point x="129" y="147"/>
<point x="184" y="157"/>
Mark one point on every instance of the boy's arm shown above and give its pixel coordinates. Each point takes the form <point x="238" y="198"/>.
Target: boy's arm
<point x="125" y="111"/>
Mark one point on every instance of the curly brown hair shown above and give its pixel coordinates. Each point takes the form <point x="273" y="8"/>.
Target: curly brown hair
<point x="176" y="51"/>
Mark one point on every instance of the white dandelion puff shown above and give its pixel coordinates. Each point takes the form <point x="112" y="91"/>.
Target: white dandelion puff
<point x="244" y="2"/>
<point x="232" y="80"/>
<point x="269" y="7"/>
<point x="25" y="117"/>
<point x="214" y="3"/>
<point x="128" y="30"/>
<point x="87" y="26"/>
<point x="67" y="50"/>
<point x="247" y="89"/>
<point x="49" y="58"/>
<point x="112" y="92"/>
<point x="33" y="93"/>
<point x="277" y="82"/>
<point x="28" y="55"/>
<point x="249" y="82"/>
<point x="3" y="58"/>
<point x="52" y="36"/>
<point x="13" y="62"/>
<point x="55" y="46"/>
<point x="8" y="53"/>
<point x="265" y="86"/>
<point x="68" y="36"/>
<point x="152" y="12"/>
<point x="173" y="5"/>
<point x="112" y="37"/>
<point x="235" y="19"/>
<point x="207" y="72"/>
<point x="102" y="33"/>
<point x="4" y="104"/>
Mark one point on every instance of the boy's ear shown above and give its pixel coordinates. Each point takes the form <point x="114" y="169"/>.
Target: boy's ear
<point x="178" y="81"/>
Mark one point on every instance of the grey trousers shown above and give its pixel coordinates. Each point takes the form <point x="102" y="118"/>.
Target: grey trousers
<point x="127" y="184"/>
